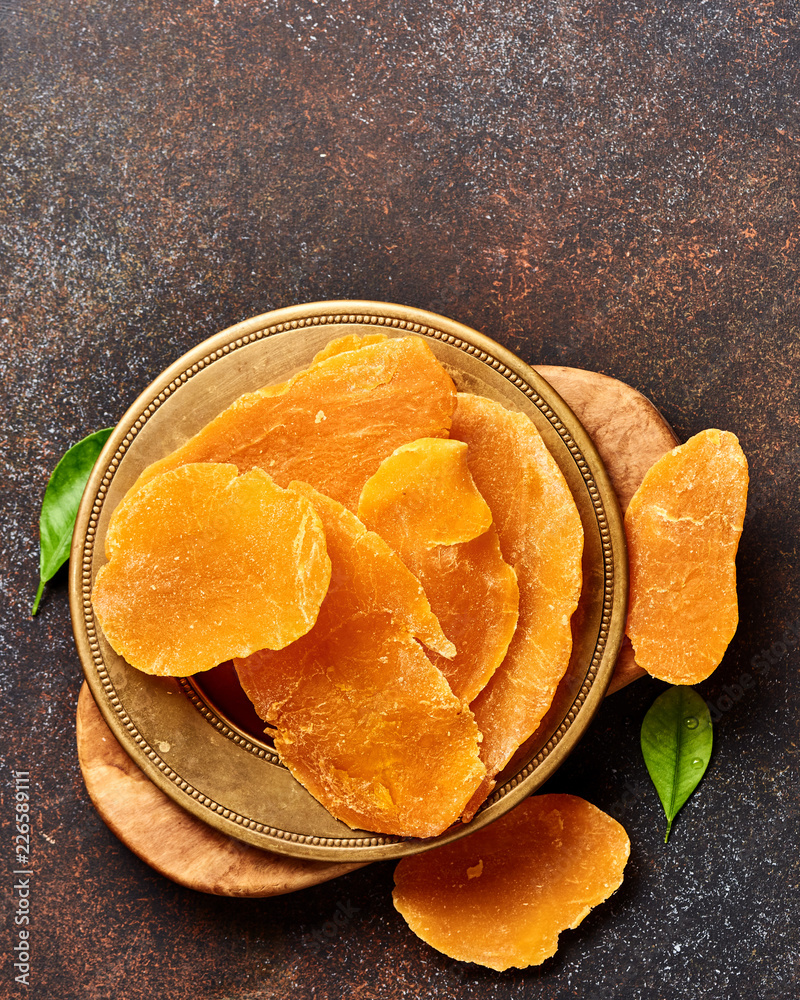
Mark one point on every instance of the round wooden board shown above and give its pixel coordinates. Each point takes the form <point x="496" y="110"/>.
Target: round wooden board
<point x="630" y="435"/>
<point x="167" y="837"/>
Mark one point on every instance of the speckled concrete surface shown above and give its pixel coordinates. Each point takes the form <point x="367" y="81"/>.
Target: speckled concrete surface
<point x="607" y="185"/>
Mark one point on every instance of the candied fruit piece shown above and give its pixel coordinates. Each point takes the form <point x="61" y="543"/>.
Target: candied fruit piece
<point x="541" y="537"/>
<point x="423" y="502"/>
<point x="332" y="424"/>
<point x="683" y="527"/>
<point x="501" y="896"/>
<point x="205" y="565"/>
<point x="423" y="495"/>
<point x="349" y="342"/>
<point x="361" y="716"/>
<point x="631" y="435"/>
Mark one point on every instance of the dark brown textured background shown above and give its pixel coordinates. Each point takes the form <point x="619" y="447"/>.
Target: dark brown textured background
<point x="610" y="185"/>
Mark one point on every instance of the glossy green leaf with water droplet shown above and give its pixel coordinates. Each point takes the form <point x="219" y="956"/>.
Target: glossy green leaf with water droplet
<point x="60" y="506"/>
<point x="677" y="737"/>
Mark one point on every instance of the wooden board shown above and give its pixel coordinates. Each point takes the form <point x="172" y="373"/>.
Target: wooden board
<point x="629" y="433"/>
<point x="167" y="837"/>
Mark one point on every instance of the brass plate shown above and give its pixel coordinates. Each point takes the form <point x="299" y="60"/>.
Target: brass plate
<point x="219" y="771"/>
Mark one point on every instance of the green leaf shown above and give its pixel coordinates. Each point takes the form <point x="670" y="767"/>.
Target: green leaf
<point x="60" y="506"/>
<point x="676" y="743"/>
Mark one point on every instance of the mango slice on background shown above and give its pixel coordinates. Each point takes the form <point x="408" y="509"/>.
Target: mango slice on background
<point x="501" y="896"/>
<point x="359" y="714"/>
<point x="205" y="565"/>
<point x="541" y="538"/>
<point x="424" y="503"/>
<point x="682" y="527"/>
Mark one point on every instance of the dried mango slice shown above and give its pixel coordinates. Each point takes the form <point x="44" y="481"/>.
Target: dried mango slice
<point x="424" y="503"/>
<point x="541" y="537"/>
<point x="682" y="528"/>
<point x="349" y="342"/>
<point x="423" y="495"/>
<point x="501" y="896"/>
<point x="362" y="718"/>
<point x="332" y="424"/>
<point x="205" y="565"/>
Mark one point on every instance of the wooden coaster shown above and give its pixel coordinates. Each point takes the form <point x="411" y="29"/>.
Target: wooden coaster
<point x="629" y="433"/>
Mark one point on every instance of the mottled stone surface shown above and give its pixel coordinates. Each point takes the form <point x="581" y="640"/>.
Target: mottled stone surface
<point x="610" y="185"/>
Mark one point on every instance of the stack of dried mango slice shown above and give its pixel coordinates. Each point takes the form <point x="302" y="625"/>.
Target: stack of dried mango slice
<point x="391" y="565"/>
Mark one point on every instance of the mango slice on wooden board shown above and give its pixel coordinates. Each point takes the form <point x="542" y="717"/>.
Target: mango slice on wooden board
<point x="424" y="503"/>
<point x="682" y="528"/>
<point x="501" y="896"/>
<point x="205" y="565"/>
<point x="361" y="716"/>
<point x="541" y="537"/>
<point x="332" y="424"/>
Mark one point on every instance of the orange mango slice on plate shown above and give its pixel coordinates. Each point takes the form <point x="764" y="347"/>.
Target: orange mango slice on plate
<point x="424" y="503"/>
<point x="332" y="424"/>
<point x="349" y="342"/>
<point x="541" y="538"/>
<point x="359" y="714"/>
<point x="205" y="565"/>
